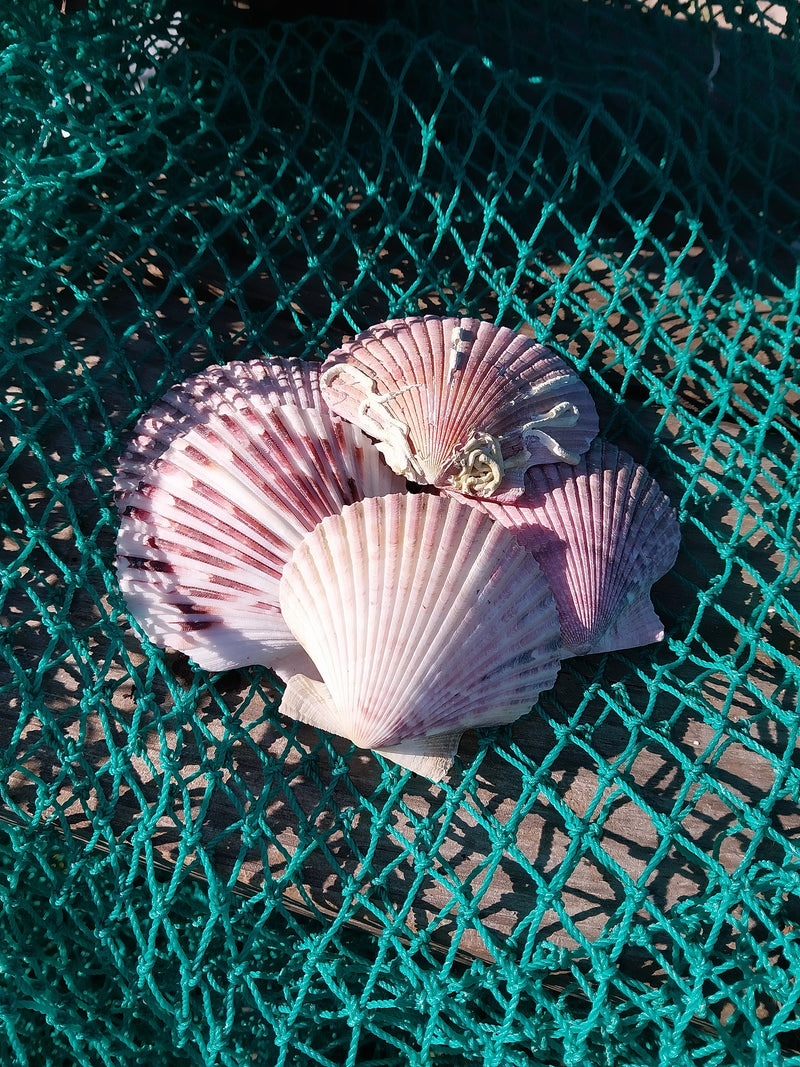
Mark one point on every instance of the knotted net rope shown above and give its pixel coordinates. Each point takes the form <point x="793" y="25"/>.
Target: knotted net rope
<point x="187" y="877"/>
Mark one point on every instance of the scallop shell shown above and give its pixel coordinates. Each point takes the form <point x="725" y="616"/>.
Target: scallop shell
<point x="222" y="479"/>
<point x="424" y="618"/>
<point x="460" y="403"/>
<point x="603" y="532"/>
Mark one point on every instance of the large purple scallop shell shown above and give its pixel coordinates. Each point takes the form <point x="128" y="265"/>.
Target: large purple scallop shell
<point x="219" y="483"/>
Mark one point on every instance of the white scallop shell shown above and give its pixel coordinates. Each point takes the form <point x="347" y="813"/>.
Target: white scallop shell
<point x="603" y="533"/>
<point x="460" y="403"/>
<point x="220" y="482"/>
<point x="424" y="618"/>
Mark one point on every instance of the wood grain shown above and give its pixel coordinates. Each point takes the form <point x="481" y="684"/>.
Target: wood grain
<point x="260" y="814"/>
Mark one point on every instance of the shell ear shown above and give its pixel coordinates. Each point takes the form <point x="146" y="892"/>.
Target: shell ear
<point x="432" y="757"/>
<point x="638" y="624"/>
<point x="310" y="701"/>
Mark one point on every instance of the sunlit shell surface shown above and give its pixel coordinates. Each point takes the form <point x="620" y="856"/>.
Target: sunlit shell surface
<point x="603" y="533"/>
<point x="460" y="403"/>
<point x="220" y="482"/>
<point x="423" y="617"/>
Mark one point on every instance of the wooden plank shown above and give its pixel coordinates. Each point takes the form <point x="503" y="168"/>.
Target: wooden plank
<point x="630" y="809"/>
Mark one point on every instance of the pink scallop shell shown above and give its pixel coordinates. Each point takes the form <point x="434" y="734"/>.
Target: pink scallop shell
<point x="424" y="618"/>
<point x="460" y="403"/>
<point x="220" y="482"/>
<point x="603" y="532"/>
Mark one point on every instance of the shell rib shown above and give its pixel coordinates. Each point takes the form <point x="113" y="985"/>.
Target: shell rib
<point x="424" y="618"/>
<point x="603" y="533"/>
<point x="230" y="393"/>
<point x="460" y="403"/>
<point x="220" y="482"/>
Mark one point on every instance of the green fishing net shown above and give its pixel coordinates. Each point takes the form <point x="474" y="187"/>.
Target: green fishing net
<point x="189" y="878"/>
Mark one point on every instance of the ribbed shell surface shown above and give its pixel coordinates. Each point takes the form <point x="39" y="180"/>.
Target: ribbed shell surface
<point x="220" y="482"/>
<point x="460" y="402"/>
<point x="603" y="533"/>
<point x="423" y="617"/>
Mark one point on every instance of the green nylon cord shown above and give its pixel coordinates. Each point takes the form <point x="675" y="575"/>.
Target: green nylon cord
<point x="183" y="188"/>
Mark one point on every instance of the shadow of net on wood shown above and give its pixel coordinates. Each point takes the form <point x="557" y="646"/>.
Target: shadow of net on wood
<point x="634" y="835"/>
